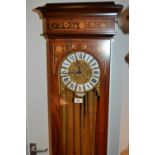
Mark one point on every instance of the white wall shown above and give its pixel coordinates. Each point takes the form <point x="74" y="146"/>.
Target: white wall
<point x="37" y="120"/>
<point x="119" y="98"/>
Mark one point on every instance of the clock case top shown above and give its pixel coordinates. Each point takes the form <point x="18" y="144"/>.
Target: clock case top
<point x="79" y="20"/>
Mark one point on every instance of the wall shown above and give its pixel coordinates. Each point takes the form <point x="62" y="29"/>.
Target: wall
<point x="119" y="99"/>
<point x="37" y="121"/>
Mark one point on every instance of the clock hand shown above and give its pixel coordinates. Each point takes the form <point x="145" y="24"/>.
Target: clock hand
<point x="78" y="64"/>
<point x="72" y="72"/>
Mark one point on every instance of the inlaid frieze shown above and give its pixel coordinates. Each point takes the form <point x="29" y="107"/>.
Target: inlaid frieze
<point x="79" y="25"/>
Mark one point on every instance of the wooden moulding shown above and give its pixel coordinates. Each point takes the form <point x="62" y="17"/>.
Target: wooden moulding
<point x="76" y="19"/>
<point x="105" y="8"/>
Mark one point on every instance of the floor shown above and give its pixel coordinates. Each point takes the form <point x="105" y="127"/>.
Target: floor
<point x="125" y="152"/>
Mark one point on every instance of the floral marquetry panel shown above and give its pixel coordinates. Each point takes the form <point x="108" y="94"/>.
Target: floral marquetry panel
<point x="81" y="25"/>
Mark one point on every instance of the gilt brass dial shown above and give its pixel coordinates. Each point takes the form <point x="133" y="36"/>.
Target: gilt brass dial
<point x="80" y="72"/>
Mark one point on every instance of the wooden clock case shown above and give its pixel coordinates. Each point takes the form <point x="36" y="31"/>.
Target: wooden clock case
<point x="70" y="27"/>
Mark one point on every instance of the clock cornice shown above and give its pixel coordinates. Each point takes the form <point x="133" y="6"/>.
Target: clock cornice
<point x="96" y="8"/>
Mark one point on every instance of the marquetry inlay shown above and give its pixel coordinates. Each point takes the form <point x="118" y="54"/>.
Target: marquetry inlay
<point x="79" y="25"/>
<point x="60" y="47"/>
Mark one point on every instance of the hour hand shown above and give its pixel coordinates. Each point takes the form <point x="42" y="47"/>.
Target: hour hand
<point x="71" y="72"/>
<point x="79" y="69"/>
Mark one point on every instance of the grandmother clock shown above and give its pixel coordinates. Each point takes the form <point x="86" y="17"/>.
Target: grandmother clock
<point x="78" y="37"/>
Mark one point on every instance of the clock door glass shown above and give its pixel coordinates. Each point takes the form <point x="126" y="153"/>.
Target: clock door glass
<point x="79" y="83"/>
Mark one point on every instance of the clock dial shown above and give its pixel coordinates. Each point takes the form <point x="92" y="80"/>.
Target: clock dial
<point x="80" y="72"/>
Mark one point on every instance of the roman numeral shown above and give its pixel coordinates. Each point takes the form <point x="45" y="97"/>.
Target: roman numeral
<point x="88" y="86"/>
<point x="88" y="58"/>
<point x="96" y="72"/>
<point x="72" y="86"/>
<point x="64" y="72"/>
<point x="80" y="88"/>
<point x="66" y="64"/>
<point x="66" y="80"/>
<point x="72" y="57"/>
<point x="80" y="55"/>
<point x="94" y="80"/>
<point x="94" y="64"/>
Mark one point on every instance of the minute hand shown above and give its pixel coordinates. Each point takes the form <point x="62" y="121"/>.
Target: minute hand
<point x="78" y="64"/>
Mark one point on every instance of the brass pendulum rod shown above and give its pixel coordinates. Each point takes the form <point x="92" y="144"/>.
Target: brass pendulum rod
<point x="69" y="123"/>
<point x="76" y="133"/>
<point x="63" y="121"/>
<point x="94" y="120"/>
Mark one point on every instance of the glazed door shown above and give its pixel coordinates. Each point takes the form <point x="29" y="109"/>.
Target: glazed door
<point x="78" y="80"/>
